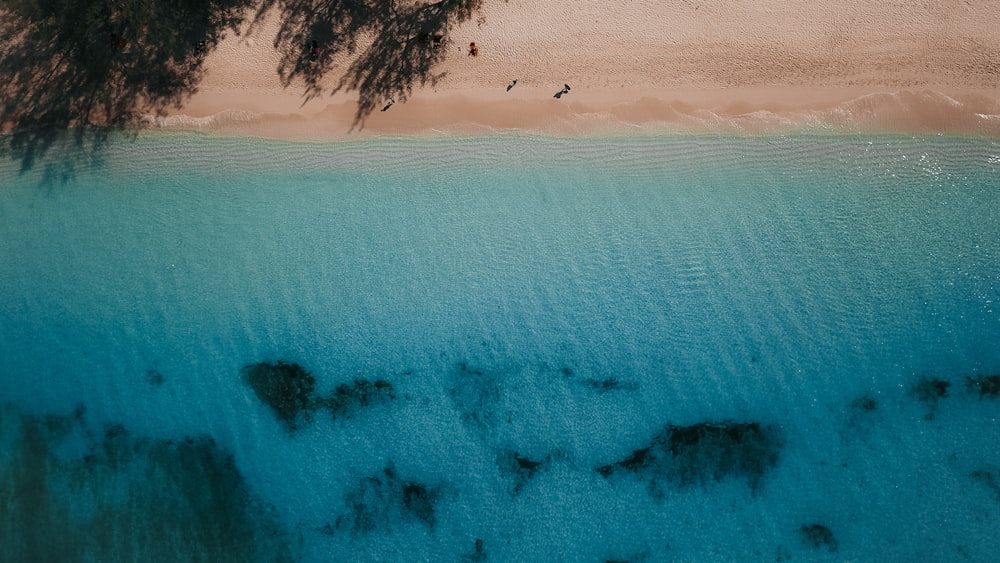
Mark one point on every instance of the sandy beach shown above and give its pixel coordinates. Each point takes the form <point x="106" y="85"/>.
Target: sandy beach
<point x="726" y="66"/>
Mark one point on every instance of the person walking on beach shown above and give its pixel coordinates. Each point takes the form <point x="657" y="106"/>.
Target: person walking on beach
<point x="560" y="93"/>
<point x="512" y="84"/>
<point x="388" y="104"/>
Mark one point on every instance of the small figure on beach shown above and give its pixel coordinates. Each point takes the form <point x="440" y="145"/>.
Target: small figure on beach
<point x="436" y="40"/>
<point x="473" y="49"/>
<point x="565" y="90"/>
<point x="512" y="84"/>
<point x="314" y="50"/>
<point x="388" y="104"/>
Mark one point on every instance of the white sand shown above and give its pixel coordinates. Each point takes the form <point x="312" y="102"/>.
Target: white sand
<point x="730" y="65"/>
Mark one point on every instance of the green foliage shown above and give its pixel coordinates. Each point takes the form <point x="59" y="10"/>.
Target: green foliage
<point x="78" y="70"/>
<point x="399" y="57"/>
<point x="96" y="65"/>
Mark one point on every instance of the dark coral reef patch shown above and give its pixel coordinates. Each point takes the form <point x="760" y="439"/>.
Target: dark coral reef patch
<point x="990" y="478"/>
<point x="520" y="467"/>
<point x="478" y="554"/>
<point x="609" y="384"/>
<point x="348" y="397"/>
<point x="476" y="395"/>
<point x="290" y="391"/>
<point x="863" y="404"/>
<point x="929" y="391"/>
<point x="76" y="493"/>
<point x="818" y="536"/>
<point x="383" y="501"/>
<point x="987" y="386"/>
<point x="705" y="452"/>
<point x="154" y="378"/>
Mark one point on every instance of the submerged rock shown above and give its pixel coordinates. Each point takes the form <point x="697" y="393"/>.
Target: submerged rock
<point x="636" y="461"/>
<point x="714" y="451"/>
<point x="347" y="398"/>
<point x="705" y="452"/>
<point x="986" y="385"/>
<point x="286" y="388"/>
<point x="605" y="384"/>
<point x="864" y="403"/>
<point x="476" y="396"/>
<point x="861" y="418"/>
<point x="290" y="391"/>
<point x="478" y="554"/>
<point x="990" y="478"/>
<point x="383" y="501"/>
<point x="929" y="391"/>
<point x="609" y="384"/>
<point x="817" y="536"/>
<point x="521" y="468"/>
<point x="73" y="492"/>
<point x="418" y="501"/>
<point x="154" y="377"/>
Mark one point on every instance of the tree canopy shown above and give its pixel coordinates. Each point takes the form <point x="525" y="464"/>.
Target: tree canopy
<point x="79" y="69"/>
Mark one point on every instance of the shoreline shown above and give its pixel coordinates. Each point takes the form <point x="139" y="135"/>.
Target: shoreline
<point x="730" y="111"/>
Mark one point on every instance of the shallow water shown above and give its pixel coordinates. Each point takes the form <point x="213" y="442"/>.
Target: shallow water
<point x="542" y="308"/>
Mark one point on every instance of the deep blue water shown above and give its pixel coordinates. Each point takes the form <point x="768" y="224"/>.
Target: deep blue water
<point x="660" y="348"/>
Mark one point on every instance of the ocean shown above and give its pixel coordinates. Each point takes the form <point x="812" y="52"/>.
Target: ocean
<point x="654" y="347"/>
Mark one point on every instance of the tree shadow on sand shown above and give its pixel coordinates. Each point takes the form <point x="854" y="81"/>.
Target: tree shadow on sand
<point x="78" y="70"/>
<point x="394" y="44"/>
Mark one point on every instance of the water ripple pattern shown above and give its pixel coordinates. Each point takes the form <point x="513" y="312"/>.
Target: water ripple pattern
<point x="513" y="347"/>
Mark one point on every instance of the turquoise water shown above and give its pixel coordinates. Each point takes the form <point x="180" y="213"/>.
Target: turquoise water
<point x="663" y="348"/>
